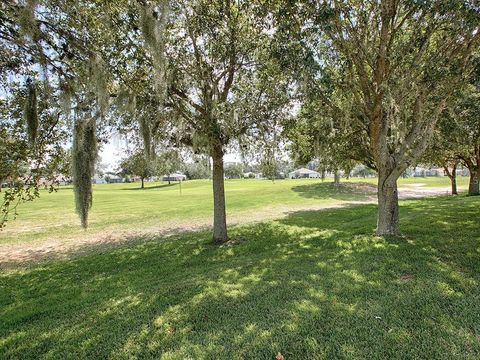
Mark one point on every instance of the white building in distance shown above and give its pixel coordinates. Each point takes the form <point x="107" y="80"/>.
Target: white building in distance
<point x="304" y="173"/>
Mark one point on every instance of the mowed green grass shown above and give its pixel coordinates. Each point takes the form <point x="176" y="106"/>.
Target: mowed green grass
<point x="118" y="207"/>
<point x="313" y="285"/>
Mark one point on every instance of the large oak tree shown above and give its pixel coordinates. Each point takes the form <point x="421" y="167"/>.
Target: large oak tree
<point x="400" y="60"/>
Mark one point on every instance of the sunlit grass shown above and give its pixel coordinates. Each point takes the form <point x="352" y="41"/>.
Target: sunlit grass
<point x="118" y="207"/>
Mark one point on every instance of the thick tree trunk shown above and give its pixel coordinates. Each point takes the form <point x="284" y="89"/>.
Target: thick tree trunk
<point x="474" y="184"/>
<point x="142" y="183"/>
<point x="219" y="215"/>
<point x="387" y="221"/>
<point x="473" y="166"/>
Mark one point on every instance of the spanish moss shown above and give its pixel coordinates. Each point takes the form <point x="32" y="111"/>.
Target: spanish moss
<point x="30" y="112"/>
<point x="27" y="20"/>
<point x="153" y="20"/>
<point x="65" y="97"/>
<point x="146" y="134"/>
<point x="84" y="154"/>
<point x="98" y="82"/>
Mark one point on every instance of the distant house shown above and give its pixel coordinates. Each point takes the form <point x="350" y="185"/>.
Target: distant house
<point x="174" y="177"/>
<point x="252" y="175"/>
<point x="99" y="180"/>
<point x="113" y="179"/>
<point x="304" y="173"/>
<point x="57" y="180"/>
<point x="422" y="172"/>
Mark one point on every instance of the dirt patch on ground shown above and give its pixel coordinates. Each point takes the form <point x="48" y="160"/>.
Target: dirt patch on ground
<point x="416" y="191"/>
<point x="14" y="255"/>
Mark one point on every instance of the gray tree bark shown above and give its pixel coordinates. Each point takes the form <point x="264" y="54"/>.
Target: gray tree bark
<point x="388" y="213"/>
<point x="453" y="180"/>
<point x="474" y="183"/>
<point x="473" y="166"/>
<point x="219" y="214"/>
<point x="453" y="177"/>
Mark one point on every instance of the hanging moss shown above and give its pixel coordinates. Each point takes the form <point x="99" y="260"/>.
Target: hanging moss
<point x="84" y="154"/>
<point x="30" y="112"/>
<point x="65" y="97"/>
<point x="153" y="21"/>
<point x="27" y="21"/>
<point x="146" y="134"/>
<point x="98" y="82"/>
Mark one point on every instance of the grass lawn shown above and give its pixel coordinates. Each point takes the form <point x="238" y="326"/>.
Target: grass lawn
<point x="313" y="285"/>
<point x="126" y="206"/>
<point x="119" y="207"/>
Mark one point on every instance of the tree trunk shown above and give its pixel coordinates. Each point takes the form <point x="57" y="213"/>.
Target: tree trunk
<point x="209" y="167"/>
<point x="473" y="186"/>
<point x="142" y="183"/>
<point x="219" y="215"/>
<point x="453" y="180"/>
<point x="387" y="221"/>
<point x="453" y="177"/>
<point x="336" y="177"/>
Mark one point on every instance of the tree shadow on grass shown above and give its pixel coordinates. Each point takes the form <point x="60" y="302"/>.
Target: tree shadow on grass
<point x="151" y="187"/>
<point x="316" y="284"/>
<point x="342" y="191"/>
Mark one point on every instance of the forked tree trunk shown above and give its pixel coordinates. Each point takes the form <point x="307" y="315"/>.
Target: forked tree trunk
<point x="219" y="215"/>
<point x="387" y="221"/>
<point x="474" y="183"/>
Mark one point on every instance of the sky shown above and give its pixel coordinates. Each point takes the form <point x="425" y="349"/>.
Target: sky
<point x="112" y="153"/>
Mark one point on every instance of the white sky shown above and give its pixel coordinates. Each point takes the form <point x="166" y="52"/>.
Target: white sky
<point x="112" y="153"/>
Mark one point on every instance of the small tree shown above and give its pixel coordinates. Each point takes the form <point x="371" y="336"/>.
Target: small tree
<point x="457" y="137"/>
<point x="234" y="171"/>
<point x="137" y="164"/>
<point x="442" y="151"/>
<point x="199" y="168"/>
<point x="167" y="162"/>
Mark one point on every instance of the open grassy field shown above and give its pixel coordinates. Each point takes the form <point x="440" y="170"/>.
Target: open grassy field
<point x="312" y="285"/>
<point x="123" y="207"/>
